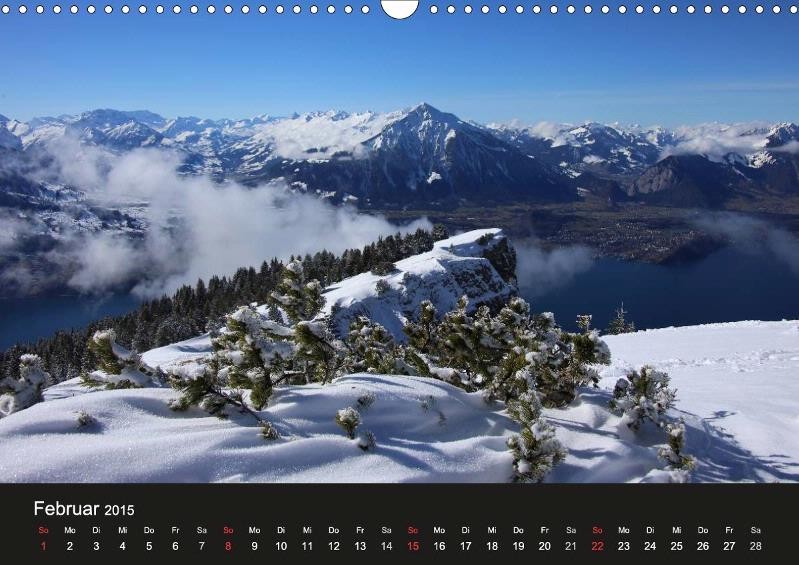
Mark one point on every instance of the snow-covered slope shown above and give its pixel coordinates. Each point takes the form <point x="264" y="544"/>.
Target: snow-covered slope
<point x="425" y="430"/>
<point x="738" y="387"/>
<point x="738" y="390"/>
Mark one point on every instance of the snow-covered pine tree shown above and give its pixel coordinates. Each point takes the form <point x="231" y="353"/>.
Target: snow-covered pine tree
<point x="320" y="355"/>
<point x="507" y="354"/>
<point x="299" y="298"/>
<point x="535" y="450"/>
<point x="642" y="395"/>
<point x="84" y="419"/>
<point x="203" y="388"/>
<point x="422" y="334"/>
<point x="117" y="366"/>
<point x="18" y="394"/>
<point x="513" y="356"/>
<point x="619" y="324"/>
<point x="256" y="351"/>
<point x="382" y="286"/>
<point x="371" y="348"/>
<point x="383" y="268"/>
<point x="252" y="352"/>
<point x="349" y="419"/>
<point x="672" y="453"/>
<point x="440" y="232"/>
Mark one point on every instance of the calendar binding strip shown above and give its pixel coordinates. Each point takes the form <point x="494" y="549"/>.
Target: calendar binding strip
<point x="365" y="9"/>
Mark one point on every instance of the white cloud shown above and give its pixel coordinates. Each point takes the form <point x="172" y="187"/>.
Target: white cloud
<point x="539" y="270"/>
<point x="717" y="140"/>
<point x="753" y="235"/>
<point x="197" y="228"/>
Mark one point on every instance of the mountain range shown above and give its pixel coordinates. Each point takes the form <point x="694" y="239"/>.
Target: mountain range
<point x="423" y="157"/>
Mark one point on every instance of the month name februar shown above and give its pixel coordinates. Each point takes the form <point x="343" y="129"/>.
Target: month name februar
<point x="61" y="509"/>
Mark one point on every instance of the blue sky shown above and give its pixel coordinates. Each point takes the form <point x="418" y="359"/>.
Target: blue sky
<point x="646" y="69"/>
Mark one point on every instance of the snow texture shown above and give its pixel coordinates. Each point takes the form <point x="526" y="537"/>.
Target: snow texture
<point x="737" y="391"/>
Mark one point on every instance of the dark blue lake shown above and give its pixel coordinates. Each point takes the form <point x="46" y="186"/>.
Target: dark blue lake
<point x="728" y="285"/>
<point x="27" y="319"/>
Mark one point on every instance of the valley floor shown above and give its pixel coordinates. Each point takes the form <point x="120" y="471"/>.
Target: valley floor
<point x="628" y="231"/>
<point x="738" y="391"/>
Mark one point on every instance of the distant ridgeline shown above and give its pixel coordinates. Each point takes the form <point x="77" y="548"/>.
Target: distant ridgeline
<point x="192" y="311"/>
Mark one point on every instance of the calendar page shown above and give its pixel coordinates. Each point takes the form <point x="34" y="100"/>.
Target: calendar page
<point x="421" y="278"/>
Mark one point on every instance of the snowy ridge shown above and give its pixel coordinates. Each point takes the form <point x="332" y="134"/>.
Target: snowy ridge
<point x="454" y="268"/>
<point x="246" y="146"/>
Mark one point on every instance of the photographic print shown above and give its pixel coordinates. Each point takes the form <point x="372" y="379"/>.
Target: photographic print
<point x="399" y="242"/>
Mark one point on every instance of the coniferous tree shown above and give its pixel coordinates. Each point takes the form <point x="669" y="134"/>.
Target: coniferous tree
<point x="673" y="453"/>
<point x="522" y="359"/>
<point x="619" y="324"/>
<point x="440" y="232"/>
<point x="117" y="366"/>
<point x="535" y="450"/>
<point x="252" y="353"/>
<point x="24" y="392"/>
<point x="372" y="349"/>
<point x="300" y="299"/>
<point x="349" y="419"/>
<point x="422" y="334"/>
<point x="642" y="395"/>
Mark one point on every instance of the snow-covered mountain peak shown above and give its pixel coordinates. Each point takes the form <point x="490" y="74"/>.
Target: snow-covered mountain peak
<point x="429" y="112"/>
<point x="782" y="134"/>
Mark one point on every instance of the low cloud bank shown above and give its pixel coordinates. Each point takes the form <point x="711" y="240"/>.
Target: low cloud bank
<point x="540" y="271"/>
<point x="196" y="228"/>
<point x="753" y="235"/>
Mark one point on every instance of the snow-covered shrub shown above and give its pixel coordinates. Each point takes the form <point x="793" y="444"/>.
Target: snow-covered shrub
<point x="371" y="348"/>
<point x="366" y="400"/>
<point x="422" y="333"/>
<point x="299" y="298"/>
<point x="256" y="351"/>
<point x="349" y="419"/>
<point x="18" y="394"/>
<point x="366" y="440"/>
<point x="505" y="354"/>
<point x="642" y="395"/>
<point x="382" y="287"/>
<point x="320" y="355"/>
<point x="485" y="239"/>
<point x="268" y="431"/>
<point x="84" y="419"/>
<point x="522" y="359"/>
<point x="672" y="453"/>
<point x="383" y="268"/>
<point x="117" y="366"/>
<point x="251" y="353"/>
<point x="535" y="450"/>
<point x="202" y="388"/>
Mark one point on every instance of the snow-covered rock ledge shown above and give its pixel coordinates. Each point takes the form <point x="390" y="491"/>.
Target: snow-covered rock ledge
<point x="464" y="265"/>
